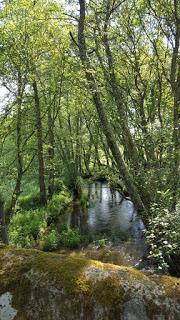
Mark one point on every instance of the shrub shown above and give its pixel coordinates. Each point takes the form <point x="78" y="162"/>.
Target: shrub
<point x="70" y="238"/>
<point x="30" y="201"/>
<point x="86" y="239"/>
<point x="84" y="201"/>
<point x="57" y="205"/>
<point x="72" y="179"/>
<point x="115" y="182"/>
<point x="25" y="227"/>
<point x="102" y="243"/>
<point x="59" y="185"/>
<point x="163" y="237"/>
<point x="100" y="174"/>
<point x="51" y="241"/>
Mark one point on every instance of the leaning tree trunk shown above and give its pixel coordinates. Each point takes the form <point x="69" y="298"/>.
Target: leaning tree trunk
<point x="175" y="85"/>
<point x="129" y="144"/>
<point x="42" y="187"/>
<point x="127" y="137"/>
<point x="107" y="129"/>
<point x="3" y="229"/>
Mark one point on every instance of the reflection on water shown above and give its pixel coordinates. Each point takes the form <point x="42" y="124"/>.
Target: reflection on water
<point x="111" y="217"/>
<point x="107" y="215"/>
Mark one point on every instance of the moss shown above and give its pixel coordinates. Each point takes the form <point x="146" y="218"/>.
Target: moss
<point x="165" y="290"/>
<point x="153" y="309"/>
<point x="110" y="294"/>
<point x="68" y="271"/>
<point x="73" y="282"/>
<point x="170" y="285"/>
<point x="12" y="267"/>
<point x="54" y="267"/>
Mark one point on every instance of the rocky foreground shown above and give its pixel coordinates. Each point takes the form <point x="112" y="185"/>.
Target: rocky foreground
<point x="48" y="286"/>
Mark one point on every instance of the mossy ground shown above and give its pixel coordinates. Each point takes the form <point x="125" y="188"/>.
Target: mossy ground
<point x="79" y="282"/>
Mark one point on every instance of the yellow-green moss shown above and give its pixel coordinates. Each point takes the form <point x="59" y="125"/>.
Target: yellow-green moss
<point x="110" y="293"/>
<point x="53" y="267"/>
<point x="68" y="271"/>
<point x="171" y="285"/>
<point x="109" y="286"/>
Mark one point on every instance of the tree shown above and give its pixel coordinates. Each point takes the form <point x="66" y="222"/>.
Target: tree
<point x="102" y="115"/>
<point x="3" y="229"/>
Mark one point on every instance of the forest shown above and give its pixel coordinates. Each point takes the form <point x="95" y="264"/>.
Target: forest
<point x="90" y="96"/>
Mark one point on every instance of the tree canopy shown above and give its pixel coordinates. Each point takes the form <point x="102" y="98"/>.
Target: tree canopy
<point x="91" y="86"/>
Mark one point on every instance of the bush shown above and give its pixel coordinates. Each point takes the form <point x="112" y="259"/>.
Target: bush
<point x="59" y="185"/>
<point x="102" y="243"/>
<point x="72" y="179"/>
<point x="163" y="237"/>
<point x="70" y="238"/>
<point x="57" y="205"/>
<point x="30" y="201"/>
<point x="84" y="201"/>
<point x="51" y="241"/>
<point x="86" y="239"/>
<point x="26" y="227"/>
<point x="115" y="182"/>
<point x="100" y="174"/>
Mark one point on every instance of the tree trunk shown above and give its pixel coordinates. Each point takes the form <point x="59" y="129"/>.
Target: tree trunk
<point x="42" y="187"/>
<point x="175" y="85"/>
<point x="115" y="92"/>
<point x="103" y="117"/>
<point x="126" y="134"/>
<point x="50" y="154"/>
<point x="3" y="229"/>
<point x="17" y="189"/>
<point x="176" y="141"/>
<point x="78" y="147"/>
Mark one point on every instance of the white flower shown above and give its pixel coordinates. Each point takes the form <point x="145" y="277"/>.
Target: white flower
<point x="165" y="242"/>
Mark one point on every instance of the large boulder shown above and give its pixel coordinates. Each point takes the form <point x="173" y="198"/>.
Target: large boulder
<point x="48" y="286"/>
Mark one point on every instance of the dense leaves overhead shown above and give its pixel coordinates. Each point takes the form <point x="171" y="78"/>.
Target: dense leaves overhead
<point x="91" y="85"/>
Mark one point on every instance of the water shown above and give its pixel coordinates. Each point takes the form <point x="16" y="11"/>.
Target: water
<point x="114" y="219"/>
<point x="108" y="214"/>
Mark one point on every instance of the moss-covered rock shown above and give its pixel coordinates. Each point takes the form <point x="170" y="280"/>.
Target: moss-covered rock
<point x="49" y="286"/>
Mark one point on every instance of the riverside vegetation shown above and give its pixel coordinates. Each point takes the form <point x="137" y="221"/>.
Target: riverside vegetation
<point x="89" y="90"/>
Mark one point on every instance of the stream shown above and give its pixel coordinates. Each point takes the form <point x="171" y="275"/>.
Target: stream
<point x="114" y="219"/>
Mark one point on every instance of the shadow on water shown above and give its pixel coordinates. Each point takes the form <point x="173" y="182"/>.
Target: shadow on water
<point x="111" y="218"/>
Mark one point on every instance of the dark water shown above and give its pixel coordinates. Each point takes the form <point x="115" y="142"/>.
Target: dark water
<point x="108" y="215"/>
<point x="111" y="218"/>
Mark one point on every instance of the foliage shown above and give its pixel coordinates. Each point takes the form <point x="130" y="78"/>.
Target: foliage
<point x="86" y="239"/>
<point x="26" y="226"/>
<point x="59" y="185"/>
<point x="70" y="238"/>
<point x="84" y="201"/>
<point x="57" y="205"/>
<point x="114" y="118"/>
<point x="102" y="242"/>
<point x="72" y="180"/>
<point x="51" y="241"/>
<point x="163" y="236"/>
<point x="67" y="238"/>
<point x="101" y="174"/>
<point x="115" y="182"/>
<point x="29" y="201"/>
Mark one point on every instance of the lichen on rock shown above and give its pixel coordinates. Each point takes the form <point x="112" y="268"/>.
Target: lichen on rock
<point x="50" y="286"/>
<point x="134" y="309"/>
<point x="7" y="312"/>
